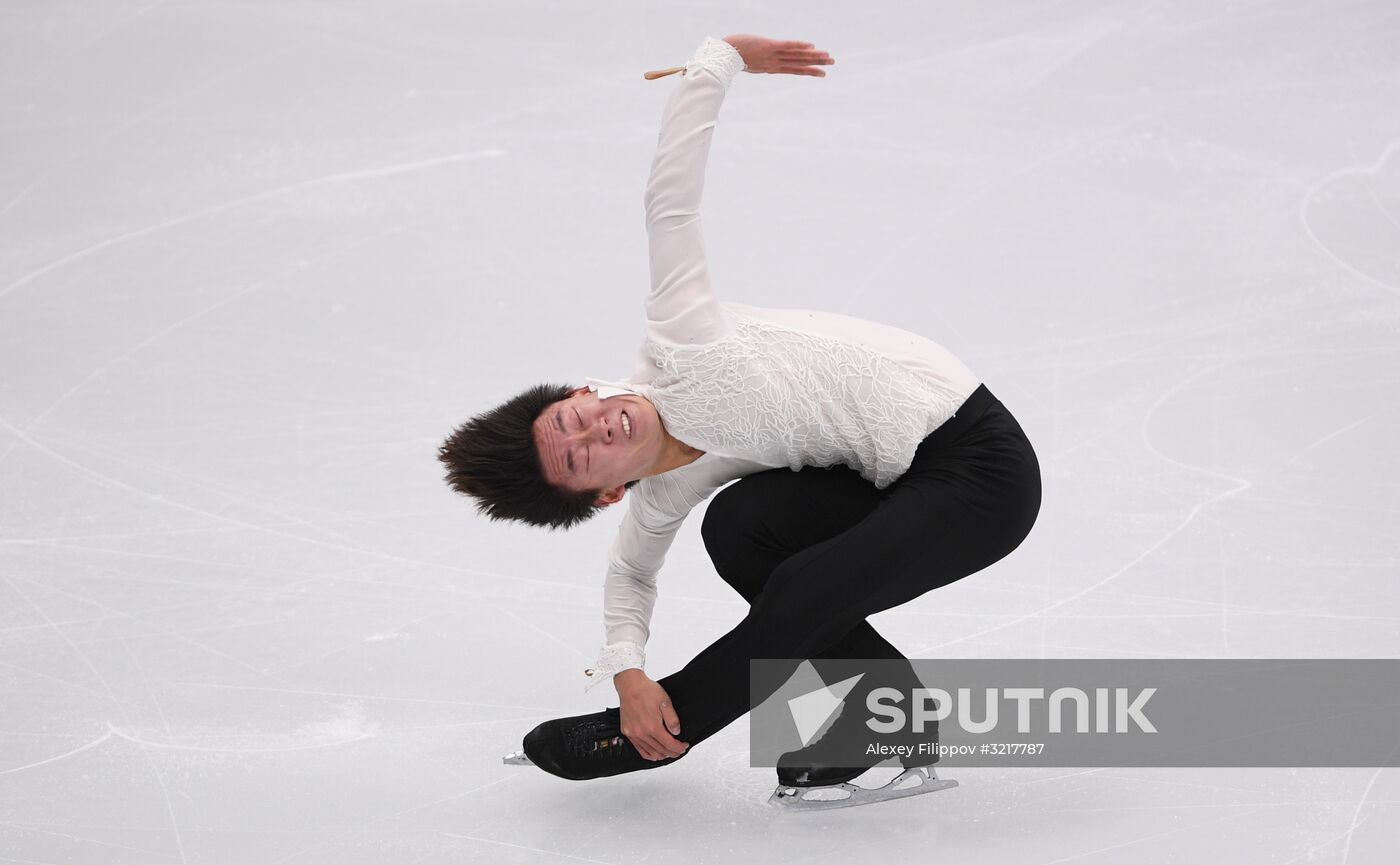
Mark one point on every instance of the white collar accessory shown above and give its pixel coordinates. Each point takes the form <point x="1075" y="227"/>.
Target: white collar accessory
<point x="607" y="389"/>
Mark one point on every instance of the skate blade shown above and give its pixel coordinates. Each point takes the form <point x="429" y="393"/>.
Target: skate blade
<point x="910" y="782"/>
<point x="517" y="759"/>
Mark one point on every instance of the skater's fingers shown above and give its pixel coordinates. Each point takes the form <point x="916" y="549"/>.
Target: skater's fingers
<point x="655" y="743"/>
<point x="641" y="745"/>
<point x="644" y="716"/>
<point x="819" y="58"/>
<point x="670" y="718"/>
<point x="639" y="741"/>
<point x="647" y="743"/>
<point x="650" y="748"/>
<point x="669" y="744"/>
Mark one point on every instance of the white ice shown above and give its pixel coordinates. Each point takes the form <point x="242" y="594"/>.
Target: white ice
<point x="257" y="259"/>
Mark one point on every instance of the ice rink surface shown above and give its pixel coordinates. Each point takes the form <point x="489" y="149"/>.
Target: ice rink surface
<point x="258" y="259"/>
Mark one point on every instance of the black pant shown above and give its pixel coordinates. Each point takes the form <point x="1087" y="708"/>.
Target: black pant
<point x="816" y="551"/>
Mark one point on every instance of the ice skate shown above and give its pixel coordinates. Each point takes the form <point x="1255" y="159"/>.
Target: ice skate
<point x="581" y="748"/>
<point x="816" y="765"/>
<point x="811" y="779"/>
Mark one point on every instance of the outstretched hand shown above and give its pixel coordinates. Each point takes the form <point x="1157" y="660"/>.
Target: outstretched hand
<point x="779" y="56"/>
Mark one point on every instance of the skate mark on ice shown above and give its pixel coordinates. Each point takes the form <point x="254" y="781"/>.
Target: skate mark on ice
<point x="1241" y="485"/>
<point x="1356" y="815"/>
<point x="1310" y="193"/>
<point x="29" y="827"/>
<point x="105" y="480"/>
<point x="342" y="694"/>
<point x="160" y="334"/>
<point x="228" y="749"/>
<point x="361" y="828"/>
<point x="523" y="847"/>
<point x="106" y="686"/>
<point x="1153" y="837"/>
<point x="54" y="759"/>
<point x="114" y="612"/>
<point x="342" y="177"/>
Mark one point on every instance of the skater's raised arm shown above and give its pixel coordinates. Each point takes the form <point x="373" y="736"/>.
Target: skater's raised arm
<point x="682" y="307"/>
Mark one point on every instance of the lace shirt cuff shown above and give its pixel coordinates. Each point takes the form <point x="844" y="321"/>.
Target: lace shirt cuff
<point x="719" y="57"/>
<point x="614" y="658"/>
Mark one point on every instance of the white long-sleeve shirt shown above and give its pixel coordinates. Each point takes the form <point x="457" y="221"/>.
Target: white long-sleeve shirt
<point x="753" y="388"/>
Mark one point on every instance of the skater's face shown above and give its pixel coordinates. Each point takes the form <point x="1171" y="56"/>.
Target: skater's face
<point x="584" y="443"/>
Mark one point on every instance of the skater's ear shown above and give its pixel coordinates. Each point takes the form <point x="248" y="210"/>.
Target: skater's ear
<point x="612" y="496"/>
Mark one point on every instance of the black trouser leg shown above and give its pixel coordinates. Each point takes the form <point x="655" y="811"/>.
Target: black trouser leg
<point x="755" y="524"/>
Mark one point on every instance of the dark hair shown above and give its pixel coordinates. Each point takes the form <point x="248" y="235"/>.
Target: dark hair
<point x="493" y="459"/>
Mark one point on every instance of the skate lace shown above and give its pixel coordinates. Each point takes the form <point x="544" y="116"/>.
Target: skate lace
<point x="597" y="739"/>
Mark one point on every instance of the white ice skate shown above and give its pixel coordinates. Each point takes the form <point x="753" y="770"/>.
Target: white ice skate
<point x="911" y="782"/>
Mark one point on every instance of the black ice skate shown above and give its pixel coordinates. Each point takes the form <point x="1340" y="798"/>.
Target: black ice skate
<point x="812" y="779"/>
<point x="815" y="765"/>
<point x="808" y="781"/>
<point x="582" y="748"/>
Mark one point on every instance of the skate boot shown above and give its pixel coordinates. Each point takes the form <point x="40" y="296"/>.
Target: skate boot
<point x="807" y="767"/>
<point x="584" y="747"/>
<point x="819" y="785"/>
<point x="810" y="767"/>
<point x="816" y="764"/>
<point x="811" y="780"/>
<point x="923" y="747"/>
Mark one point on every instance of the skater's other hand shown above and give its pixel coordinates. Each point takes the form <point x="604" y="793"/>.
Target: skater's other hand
<point x="779" y="56"/>
<point x="648" y="719"/>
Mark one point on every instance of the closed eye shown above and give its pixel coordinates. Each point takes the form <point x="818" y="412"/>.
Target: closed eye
<point x="589" y="461"/>
<point x="559" y="422"/>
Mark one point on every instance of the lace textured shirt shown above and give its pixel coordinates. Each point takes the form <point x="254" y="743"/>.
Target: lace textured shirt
<point x="753" y="388"/>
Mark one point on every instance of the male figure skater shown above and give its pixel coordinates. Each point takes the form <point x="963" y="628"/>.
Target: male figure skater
<point x="875" y="466"/>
